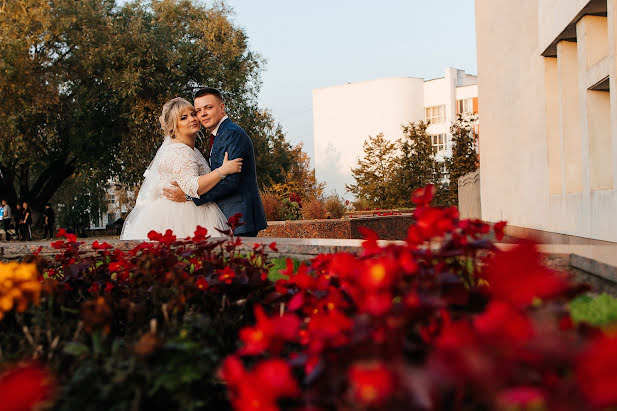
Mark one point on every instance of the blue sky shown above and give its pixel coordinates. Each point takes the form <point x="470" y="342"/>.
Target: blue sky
<point x="319" y="43"/>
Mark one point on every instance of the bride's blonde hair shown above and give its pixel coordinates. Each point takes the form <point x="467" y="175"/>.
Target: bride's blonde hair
<point x="171" y="114"/>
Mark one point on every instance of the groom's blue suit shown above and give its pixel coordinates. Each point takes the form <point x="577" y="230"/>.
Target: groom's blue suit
<point x="237" y="193"/>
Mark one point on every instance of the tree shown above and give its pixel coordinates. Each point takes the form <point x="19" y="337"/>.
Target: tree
<point x="299" y="178"/>
<point x="53" y="94"/>
<point x="416" y="165"/>
<point x="82" y="83"/>
<point x="375" y="175"/>
<point x="464" y="154"/>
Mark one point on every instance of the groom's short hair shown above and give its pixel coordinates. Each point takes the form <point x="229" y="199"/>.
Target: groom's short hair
<point x="208" y="91"/>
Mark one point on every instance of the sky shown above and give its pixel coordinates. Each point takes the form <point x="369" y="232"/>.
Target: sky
<point x="320" y="43"/>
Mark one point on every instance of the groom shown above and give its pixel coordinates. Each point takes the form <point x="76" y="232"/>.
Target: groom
<point x="235" y="193"/>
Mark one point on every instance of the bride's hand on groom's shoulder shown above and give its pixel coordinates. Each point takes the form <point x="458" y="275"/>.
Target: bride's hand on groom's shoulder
<point x="174" y="193"/>
<point x="230" y="166"/>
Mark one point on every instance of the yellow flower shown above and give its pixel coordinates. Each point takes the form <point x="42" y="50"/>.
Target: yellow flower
<point x="19" y="286"/>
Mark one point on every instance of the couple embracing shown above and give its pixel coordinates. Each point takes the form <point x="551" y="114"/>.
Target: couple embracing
<point x="182" y="190"/>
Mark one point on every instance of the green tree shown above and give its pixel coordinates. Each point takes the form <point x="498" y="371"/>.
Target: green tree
<point x="54" y="87"/>
<point x="416" y="165"/>
<point x="82" y="83"/>
<point x="376" y="174"/>
<point x="464" y="154"/>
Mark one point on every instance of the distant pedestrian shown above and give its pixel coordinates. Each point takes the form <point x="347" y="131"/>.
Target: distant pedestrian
<point x="6" y="219"/>
<point x="48" y="221"/>
<point x="27" y="222"/>
<point x="19" y="216"/>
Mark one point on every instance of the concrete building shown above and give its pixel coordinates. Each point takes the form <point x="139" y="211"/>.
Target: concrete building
<point x="344" y="116"/>
<point x="547" y="91"/>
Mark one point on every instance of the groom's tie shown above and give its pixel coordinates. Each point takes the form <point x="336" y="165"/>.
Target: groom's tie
<point x="211" y="144"/>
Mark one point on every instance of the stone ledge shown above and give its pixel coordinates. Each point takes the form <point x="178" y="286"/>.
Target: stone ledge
<point x="289" y="247"/>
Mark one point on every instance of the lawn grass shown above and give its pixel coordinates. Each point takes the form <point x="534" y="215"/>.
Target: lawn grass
<point x="600" y="310"/>
<point x="279" y="264"/>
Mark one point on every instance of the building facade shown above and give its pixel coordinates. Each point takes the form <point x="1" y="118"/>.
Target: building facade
<point x="547" y="71"/>
<point x="344" y="116"/>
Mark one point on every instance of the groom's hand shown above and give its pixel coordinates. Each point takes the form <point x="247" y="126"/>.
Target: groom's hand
<point x="174" y="193"/>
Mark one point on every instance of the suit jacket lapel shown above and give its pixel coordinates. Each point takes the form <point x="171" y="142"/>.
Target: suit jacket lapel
<point x="218" y="132"/>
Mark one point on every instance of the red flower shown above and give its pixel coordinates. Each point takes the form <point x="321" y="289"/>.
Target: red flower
<point x="378" y="303"/>
<point x="201" y="283"/>
<point x="108" y="287"/>
<point x="104" y="246"/>
<point x="371" y="383"/>
<point x="58" y="244"/>
<point x="377" y="274"/>
<point x="260" y="389"/>
<point x="234" y="221"/>
<point x="25" y="387"/>
<point x="226" y="275"/>
<point x="502" y="322"/>
<point x="273" y="247"/>
<point x="61" y="233"/>
<point x="499" y="227"/>
<point x="424" y="196"/>
<point x="94" y="288"/>
<point x="268" y="333"/>
<point x="275" y="375"/>
<point x="168" y="237"/>
<point x="154" y="236"/>
<point x="519" y="277"/>
<point x="370" y="240"/>
<point x="596" y="371"/>
<point x="200" y="234"/>
<point x="523" y="397"/>
<point x="232" y="370"/>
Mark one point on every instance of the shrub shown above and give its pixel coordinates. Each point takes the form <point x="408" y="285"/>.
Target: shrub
<point x="600" y="311"/>
<point x="361" y="204"/>
<point x="273" y="206"/>
<point x="313" y="210"/>
<point x="444" y="321"/>
<point x="335" y="206"/>
<point x="143" y="329"/>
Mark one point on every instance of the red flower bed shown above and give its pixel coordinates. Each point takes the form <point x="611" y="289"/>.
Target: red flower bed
<point x="445" y="321"/>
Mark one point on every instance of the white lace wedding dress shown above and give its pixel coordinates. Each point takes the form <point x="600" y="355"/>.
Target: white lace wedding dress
<point x="173" y="162"/>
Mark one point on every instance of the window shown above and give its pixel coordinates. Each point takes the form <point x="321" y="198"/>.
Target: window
<point x="465" y="106"/>
<point x="436" y="114"/>
<point x="439" y="142"/>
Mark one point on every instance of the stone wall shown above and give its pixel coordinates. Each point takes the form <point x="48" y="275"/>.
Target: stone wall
<point x="469" y="205"/>
<point x="387" y="228"/>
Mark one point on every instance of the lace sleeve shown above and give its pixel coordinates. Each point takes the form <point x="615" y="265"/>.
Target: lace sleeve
<point x="183" y="165"/>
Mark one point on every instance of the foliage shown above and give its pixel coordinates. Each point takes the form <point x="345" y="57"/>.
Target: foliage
<point x="445" y="321"/>
<point x="273" y="206"/>
<point x="299" y="178"/>
<point x="600" y="310"/>
<point x="81" y="200"/>
<point x="55" y="94"/>
<point x="390" y="171"/>
<point x="374" y="175"/>
<point x="280" y="264"/>
<point x="464" y="154"/>
<point x="83" y="83"/>
<point x="313" y="210"/>
<point x="335" y="206"/>
<point x="416" y="165"/>
<point x="138" y="329"/>
<point x="292" y="207"/>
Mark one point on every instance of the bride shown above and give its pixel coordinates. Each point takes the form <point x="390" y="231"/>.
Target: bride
<point x="178" y="160"/>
